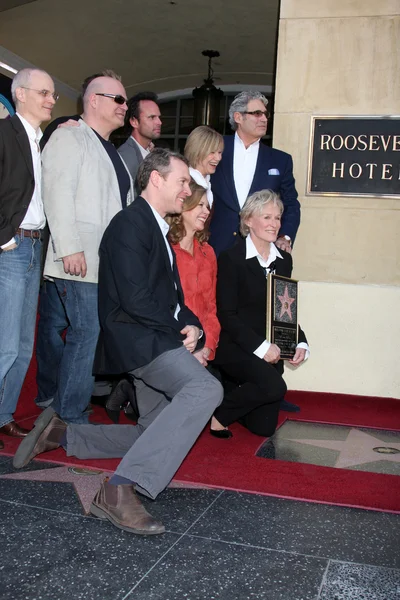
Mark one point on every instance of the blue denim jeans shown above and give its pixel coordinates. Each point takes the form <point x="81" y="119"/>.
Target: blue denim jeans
<point x="19" y="291"/>
<point x="49" y="343"/>
<point x="75" y="379"/>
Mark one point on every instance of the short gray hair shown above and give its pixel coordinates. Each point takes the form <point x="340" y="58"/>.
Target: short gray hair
<point x="254" y="205"/>
<point x="240" y="103"/>
<point x="22" y="79"/>
<point x="159" y="160"/>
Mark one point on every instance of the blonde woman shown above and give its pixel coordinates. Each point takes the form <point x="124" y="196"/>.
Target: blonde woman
<point x="203" y="150"/>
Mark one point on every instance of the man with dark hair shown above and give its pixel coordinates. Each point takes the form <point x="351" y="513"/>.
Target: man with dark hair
<point x="147" y="331"/>
<point x="144" y="117"/>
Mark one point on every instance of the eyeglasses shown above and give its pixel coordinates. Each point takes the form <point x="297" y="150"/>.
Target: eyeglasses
<point x="257" y="113"/>
<point x="44" y="93"/>
<point x="116" y="97"/>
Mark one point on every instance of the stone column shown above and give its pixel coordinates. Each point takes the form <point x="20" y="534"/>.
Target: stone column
<point x="337" y="57"/>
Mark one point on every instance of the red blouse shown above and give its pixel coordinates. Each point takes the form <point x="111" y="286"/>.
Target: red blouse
<point x="198" y="275"/>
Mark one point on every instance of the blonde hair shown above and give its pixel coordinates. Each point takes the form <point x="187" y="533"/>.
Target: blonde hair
<point x="200" y="143"/>
<point x="177" y="229"/>
<point x="254" y="205"/>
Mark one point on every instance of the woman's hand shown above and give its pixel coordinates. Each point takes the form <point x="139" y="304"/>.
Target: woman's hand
<point x="299" y="357"/>
<point x="200" y="357"/>
<point x="273" y="355"/>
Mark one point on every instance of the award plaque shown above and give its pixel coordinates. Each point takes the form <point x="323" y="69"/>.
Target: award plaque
<point x="282" y="308"/>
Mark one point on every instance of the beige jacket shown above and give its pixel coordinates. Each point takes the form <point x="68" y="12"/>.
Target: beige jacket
<point x="80" y="195"/>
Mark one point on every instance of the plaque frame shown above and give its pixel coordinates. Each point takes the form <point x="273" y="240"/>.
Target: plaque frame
<point x="273" y="325"/>
<point x="309" y="191"/>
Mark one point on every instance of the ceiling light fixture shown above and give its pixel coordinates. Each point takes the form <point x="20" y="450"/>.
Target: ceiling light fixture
<point x="207" y="97"/>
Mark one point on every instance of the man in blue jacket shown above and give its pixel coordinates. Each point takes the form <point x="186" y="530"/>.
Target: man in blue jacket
<point x="248" y="166"/>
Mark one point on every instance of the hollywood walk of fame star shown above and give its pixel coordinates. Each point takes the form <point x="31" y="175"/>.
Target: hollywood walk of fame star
<point x="359" y="448"/>
<point x="286" y="302"/>
<point x="85" y="481"/>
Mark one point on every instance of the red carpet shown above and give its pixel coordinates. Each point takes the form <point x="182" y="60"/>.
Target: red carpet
<point x="232" y="464"/>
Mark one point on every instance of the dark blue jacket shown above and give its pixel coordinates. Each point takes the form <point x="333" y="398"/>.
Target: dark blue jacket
<point x="225" y="220"/>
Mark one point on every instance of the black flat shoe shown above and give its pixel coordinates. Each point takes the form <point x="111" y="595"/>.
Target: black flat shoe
<point x="223" y="434"/>
<point x="288" y="406"/>
<point x="121" y="395"/>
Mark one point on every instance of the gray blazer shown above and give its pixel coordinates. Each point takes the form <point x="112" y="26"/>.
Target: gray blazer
<point x="80" y="195"/>
<point x="132" y="157"/>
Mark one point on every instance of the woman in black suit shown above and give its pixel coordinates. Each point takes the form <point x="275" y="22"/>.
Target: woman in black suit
<point x="243" y="354"/>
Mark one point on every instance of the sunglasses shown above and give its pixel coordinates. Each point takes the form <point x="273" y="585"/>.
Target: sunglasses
<point x="116" y="97"/>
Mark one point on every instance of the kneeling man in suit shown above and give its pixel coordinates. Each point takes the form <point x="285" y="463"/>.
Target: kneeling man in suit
<point x="146" y="330"/>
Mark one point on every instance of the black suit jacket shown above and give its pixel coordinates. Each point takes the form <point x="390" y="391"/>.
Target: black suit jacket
<point x="138" y="294"/>
<point x="274" y="171"/>
<point x="17" y="181"/>
<point x="242" y="301"/>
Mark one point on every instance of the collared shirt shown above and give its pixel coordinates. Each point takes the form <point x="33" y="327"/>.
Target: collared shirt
<point x="251" y="252"/>
<point x="34" y="218"/>
<point x="203" y="182"/>
<point x="143" y="151"/>
<point x="244" y="167"/>
<point x="164" y="227"/>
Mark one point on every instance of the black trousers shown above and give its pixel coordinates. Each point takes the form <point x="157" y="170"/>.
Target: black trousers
<point x="255" y="399"/>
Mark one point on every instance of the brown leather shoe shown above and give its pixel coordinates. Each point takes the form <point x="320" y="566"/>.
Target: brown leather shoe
<point x="45" y="435"/>
<point x="122" y="507"/>
<point x="14" y="430"/>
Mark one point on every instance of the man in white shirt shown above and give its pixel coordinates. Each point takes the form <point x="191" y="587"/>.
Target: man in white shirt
<point x="248" y="166"/>
<point x="22" y="220"/>
<point x="144" y="116"/>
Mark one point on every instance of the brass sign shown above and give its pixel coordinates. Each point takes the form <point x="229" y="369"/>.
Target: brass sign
<point x="354" y="156"/>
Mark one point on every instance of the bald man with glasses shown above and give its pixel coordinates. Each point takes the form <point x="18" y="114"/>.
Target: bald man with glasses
<point x="22" y="220"/>
<point x="85" y="183"/>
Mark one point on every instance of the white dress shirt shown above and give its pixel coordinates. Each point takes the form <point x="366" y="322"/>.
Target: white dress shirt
<point x="244" y="167"/>
<point x="251" y="252"/>
<point x="34" y="218"/>
<point x="204" y="182"/>
<point x="164" y="227"/>
<point x="144" y="152"/>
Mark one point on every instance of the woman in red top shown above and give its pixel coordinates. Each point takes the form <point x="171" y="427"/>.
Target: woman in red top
<point x="197" y="266"/>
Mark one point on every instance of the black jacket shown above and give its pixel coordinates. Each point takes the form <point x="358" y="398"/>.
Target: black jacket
<point x="138" y="294"/>
<point x="242" y="301"/>
<point x="17" y="181"/>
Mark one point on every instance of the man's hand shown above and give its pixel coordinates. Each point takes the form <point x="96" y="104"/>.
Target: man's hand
<point x="283" y="244"/>
<point x="273" y="355"/>
<point x="192" y="335"/>
<point x="75" y="264"/>
<point x="200" y="357"/>
<point x="10" y="247"/>
<point x="299" y="357"/>
<point x="69" y="123"/>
